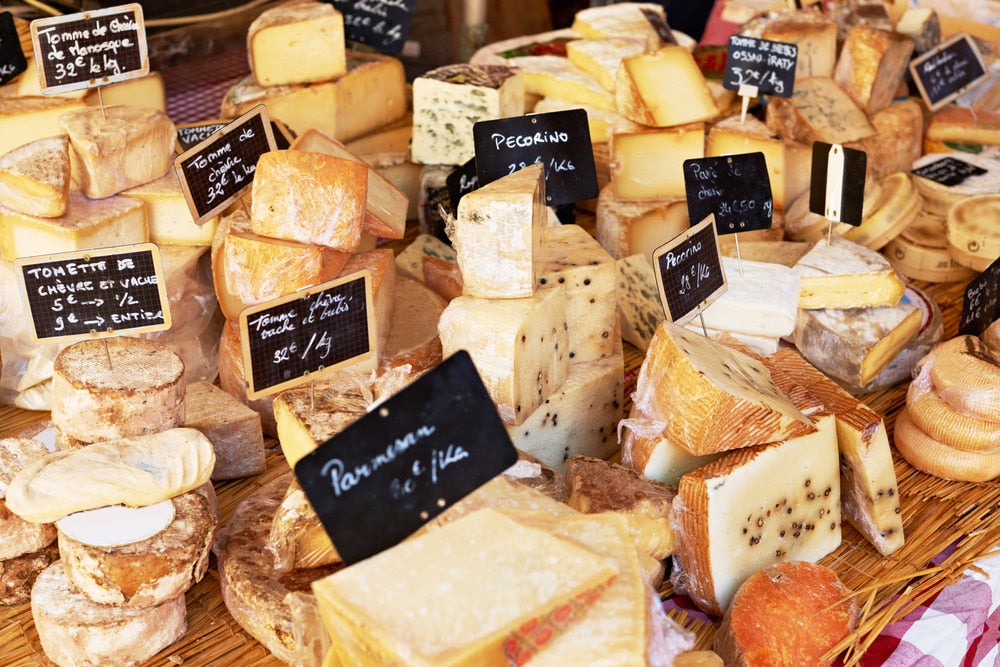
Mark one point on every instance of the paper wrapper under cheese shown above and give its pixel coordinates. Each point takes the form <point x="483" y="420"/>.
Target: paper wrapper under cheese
<point x="710" y="397"/>
<point x="135" y="471"/>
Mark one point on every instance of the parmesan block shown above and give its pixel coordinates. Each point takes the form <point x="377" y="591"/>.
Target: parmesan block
<point x="301" y="42"/>
<point x="711" y="397"/>
<point x="233" y="429"/>
<point x="115" y="388"/>
<point x="370" y="95"/>
<point x="25" y="119"/>
<point x="761" y="299"/>
<point x="625" y="19"/>
<point x="872" y="62"/>
<point x="648" y="163"/>
<point x="732" y="136"/>
<point x="754" y="507"/>
<point x="641" y="96"/>
<point x="115" y="148"/>
<point x="586" y="273"/>
<point x="449" y="100"/>
<point x="818" y="110"/>
<point x="627" y="228"/>
<point x="519" y="346"/>
<point x="308" y="416"/>
<point x="34" y="178"/>
<point x="168" y="216"/>
<point x="499" y="233"/>
<point x="556" y="76"/>
<point x="419" y="619"/>
<point x="600" y="58"/>
<point x="815" y="35"/>
<point x="87" y="223"/>
<point x="844" y="274"/>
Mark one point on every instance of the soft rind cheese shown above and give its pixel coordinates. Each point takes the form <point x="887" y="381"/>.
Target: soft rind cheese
<point x="641" y="96"/>
<point x="297" y="42"/>
<point x="843" y="274"/>
<point x="35" y="177"/>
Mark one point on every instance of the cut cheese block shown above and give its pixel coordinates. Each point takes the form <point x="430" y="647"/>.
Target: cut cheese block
<point x="449" y="100"/>
<point x="392" y="138"/>
<point x="580" y="417"/>
<point x="410" y="261"/>
<point x="233" y="429"/>
<point x="25" y="119"/>
<point x="115" y="148"/>
<point x="641" y="96"/>
<point x="297" y="538"/>
<point x="115" y="388"/>
<point x="698" y="387"/>
<point x="761" y="299"/>
<point x="232" y="378"/>
<point x="87" y="223"/>
<point x="844" y="274"/>
<point x="898" y="139"/>
<point x="920" y="24"/>
<point x="789" y="613"/>
<point x="370" y="95"/>
<point x="530" y="472"/>
<point x="556" y="76"/>
<point x="34" y="178"/>
<point x="754" y="507"/>
<point x="499" y="233"/>
<point x="30" y="84"/>
<point x="869" y="493"/>
<point x="132" y="471"/>
<point x="815" y="35"/>
<point x="443" y="277"/>
<point x="413" y="338"/>
<point x="519" y="346"/>
<point x="600" y="58"/>
<point x="853" y="345"/>
<point x="953" y="124"/>
<point x="646" y="449"/>
<point x="18" y="574"/>
<point x="148" y="572"/>
<point x="897" y="205"/>
<point x="73" y="629"/>
<point x="309" y="198"/>
<point x="299" y="42"/>
<point x="376" y="618"/>
<point x="625" y="19"/>
<point x="18" y="537"/>
<point x="818" y="110"/>
<point x="167" y="214"/>
<point x="599" y="121"/>
<point x="148" y="91"/>
<point x="577" y="263"/>
<point x="386" y="205"/>
<point x="648" y="163"/>
<point x="434" y="200"/>
<point x="627" y="228"/>
<point x="381" y="264"/>
<point x="872" y="62"/>
<point x="733" y="136"/>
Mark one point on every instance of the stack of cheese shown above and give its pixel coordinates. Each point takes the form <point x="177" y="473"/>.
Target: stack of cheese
<point x="135" y="519"/>
<point x="537" y="315"/>
<point x="950" y="426"/>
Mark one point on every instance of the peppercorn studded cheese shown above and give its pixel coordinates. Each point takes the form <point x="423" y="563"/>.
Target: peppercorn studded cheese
<point x="639" y="308"/>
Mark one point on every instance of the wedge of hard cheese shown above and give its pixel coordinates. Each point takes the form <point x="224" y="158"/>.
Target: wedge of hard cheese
<point x="34" y="178"/>
<point x="844" y="274"/>
<point x="298" y="42"/>
<point x="641" y="96"/>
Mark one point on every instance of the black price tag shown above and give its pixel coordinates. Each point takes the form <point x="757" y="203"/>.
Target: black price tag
<point x="689" y="272"/>
<point x="660" y="25"/>
<point x="736" y="189"/>
<point x="837" y="182"/>
<point x="461" y="182"/>
<point x="381" y="24"/>
<point x="289" y="340"/>
<point x="560" y="140"/>
<point x="12" y="60"/>
<point x="947" y="71"/>
<point x="981" y="303"/>
<point x="760" y="66"/>
<point x="220" y="169"/>
<point x="88" y="49"/>
<point x="96" y="293"/>
<point x="190" y="135"/>
<point x="949" y="171"/>
<point x="401" y="465"/>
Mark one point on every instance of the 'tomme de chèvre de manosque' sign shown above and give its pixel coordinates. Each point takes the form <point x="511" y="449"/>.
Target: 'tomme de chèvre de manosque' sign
<point x="407" y="460"/>
<point x="12" y="60"/>
<point x="88" y="49"/>
<point x="95" y="293"/>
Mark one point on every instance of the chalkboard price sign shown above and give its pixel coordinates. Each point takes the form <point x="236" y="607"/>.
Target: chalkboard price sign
<point x="402" y="464"/>
<point x="95" y="293"/>
<point x="736" y="189"/>
<point x="12" y="60"/>
<point x="949" y="171"/>
<point x="220" y="169"/>
<point x="88" y="49"/>
<point x="947" y="71"/>
<point x="560" y="140"/>
<point x="837" y="182"/>
<point x="764" y="66"/>
<point x="461" y="182"/>
<point x="190" y="135"/>
<point x="981" y="303"/>
<point x="288" y="340"/>
<point x="688" y="272"/>
<point x="381" y="24"/>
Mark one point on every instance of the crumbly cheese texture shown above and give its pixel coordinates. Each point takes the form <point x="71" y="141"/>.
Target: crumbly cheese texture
<point x="641" y="96"/>
<point x="556" y="76"/>
<point x="499" y="234"/>
<point x="35" y="177"/>
<point x="115" y="148"/>
<point x="168" y="216"/>
<point x="299" y="42"/>
<point x="648" y="163"/>
<point x="754" y="507"/>
<point x="872" y="63"/>
<point x="600" y="58"/>
<point x="449" y="100"/>
<point x="818" y="110"/>
<point x="844" y="274"/>
<point x="519" y="346"/>
<point x="626" y="227"/>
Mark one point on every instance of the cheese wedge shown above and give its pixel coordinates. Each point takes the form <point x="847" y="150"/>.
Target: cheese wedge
<point x="815" y="35"/>
<point x="380" y="264"/>
<point x="626" y="19"/>
<point x="600" y="58"/>
<point x="35" y="177"/>
<point x="167" y="214"/>
<point x="627" y="228"/>
<point x="25" y="119"/>
<point x="733" y="136"/>
<point x="843" y="274"/>
<point x="818" y="110"/>
<point x="641" y="96"/>
<point x="639" y="309"/>
<point x="898" y="139"/>
<point x="148" y="91"/>
<point x="761" y="299"/>
<point x="872" y="62"/>
<point x="297" y="538"/>
<point x="648" y="163"/>
<point x="556" y="76"/>
<point x="300" y="42"/>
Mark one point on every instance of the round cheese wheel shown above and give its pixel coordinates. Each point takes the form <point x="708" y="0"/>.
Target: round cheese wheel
<point x="967" y="376"/>
<point x="991" y="338"/>
<point x="115" y="388"/>
<point x="897" y="206"/>
<point x="413" y="338"/>
<point x="974" y="226"/>
<point x="75" y="631"/>
<point x="936" y="458"/>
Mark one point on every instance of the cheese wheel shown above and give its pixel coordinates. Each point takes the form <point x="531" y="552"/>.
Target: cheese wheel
<point x="974" y="226"/>
<point x="920" y="252"/>
<point x="74" y="631"/>
<point x="898" y="205"/>
<point x="936" y="458"/>
<point x="935" y="417"/>
<point x="939" y="198"/>
<point x="18" y="574"/>
<point x="149" y="572"/>
<point x="115" y="388"/>
<point x="17" y="536"/>
<point x="967" y="376"/>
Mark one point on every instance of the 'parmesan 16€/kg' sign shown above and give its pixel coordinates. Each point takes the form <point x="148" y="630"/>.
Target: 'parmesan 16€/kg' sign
<point x="689" y="272"/>
<point x="88" y="49"/>
<point x="95" y="293"/>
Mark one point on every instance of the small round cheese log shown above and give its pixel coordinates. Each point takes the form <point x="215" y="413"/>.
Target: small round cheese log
<point x="115" y="388"/>
<point x="17" y="575"/>
<point x="17" y="536"/>
<point x="939" y="459"/>
<point x="786" y="615"/>
<point x="149" y="572"/>
<point x="967" y="376"/>
<point x="76" y="632"/>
